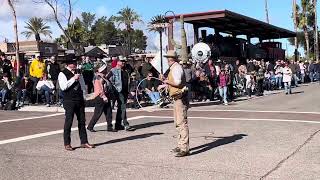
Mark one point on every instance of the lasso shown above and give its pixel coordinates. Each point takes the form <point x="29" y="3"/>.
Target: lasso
<point x="137" y="90"/>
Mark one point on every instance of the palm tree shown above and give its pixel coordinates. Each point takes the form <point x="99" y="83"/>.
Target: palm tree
<point x="295" y="22"/>
<point x="15" y="27"/>
<point x="316" y="42"/>
<point x="127" y="16"/>
<point x="267" y="10"/>
<point x="303" y="23"/>
<point x="36" y="26"/>
<point x="157" y="20"/>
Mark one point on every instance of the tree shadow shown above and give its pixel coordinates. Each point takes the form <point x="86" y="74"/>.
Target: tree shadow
<point x="220" y="142"/>
<point x="150" y="124"/>
<point x="130" y="138"/>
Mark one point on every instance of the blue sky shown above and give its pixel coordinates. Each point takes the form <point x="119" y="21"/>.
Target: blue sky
<point x="279" y="12"/>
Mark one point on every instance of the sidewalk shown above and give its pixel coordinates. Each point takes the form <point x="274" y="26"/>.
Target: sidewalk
<point x="43" y="108"/>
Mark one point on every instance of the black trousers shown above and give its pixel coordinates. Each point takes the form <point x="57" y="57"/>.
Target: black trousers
<point x="121" y="111"/>
<point x="260" y="87"/>
<point x="71" y="108"/>
<point x="99" y="108"/>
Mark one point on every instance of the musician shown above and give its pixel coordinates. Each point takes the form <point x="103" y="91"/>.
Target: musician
<point x="73" y="89"/>
<point x="102" y="103"/>
<point x="176" y="83"/>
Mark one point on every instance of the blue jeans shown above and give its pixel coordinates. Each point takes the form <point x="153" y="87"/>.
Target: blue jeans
<point x="47" y="92"/>
<point x="311" y="76"/>
<point x="223" y="93"/>
<point x="302" y="78"/>
<point x="21" y="95"/>
<point x="3" y="94"/>
<point x="295" y="79"/>
<point x="287" y="87"/>
<point x="154" y="96"/>
<point x="279" y="82"/>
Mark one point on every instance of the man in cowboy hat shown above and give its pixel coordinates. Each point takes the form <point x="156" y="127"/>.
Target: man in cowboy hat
<point x="73" y="90"/>
<point x="120" y="80"/>
<point x="102" y="103"/>
<point x="176" y="83"/>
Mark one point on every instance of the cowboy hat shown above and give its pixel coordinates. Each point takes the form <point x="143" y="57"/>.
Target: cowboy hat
<point x="171" y="54"/>
<point x="121" y="58"/>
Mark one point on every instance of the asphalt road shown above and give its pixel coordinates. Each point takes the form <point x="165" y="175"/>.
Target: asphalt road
<point x="272" y="137"/>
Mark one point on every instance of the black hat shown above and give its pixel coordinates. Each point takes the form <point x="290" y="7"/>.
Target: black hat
<point x="70" y="59"/>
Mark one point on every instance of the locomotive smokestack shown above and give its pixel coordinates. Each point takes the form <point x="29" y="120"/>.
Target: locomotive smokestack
<point x="204" y="35"/>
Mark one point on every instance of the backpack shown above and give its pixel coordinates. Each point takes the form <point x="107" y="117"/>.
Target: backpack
<point x="10" y="106"/>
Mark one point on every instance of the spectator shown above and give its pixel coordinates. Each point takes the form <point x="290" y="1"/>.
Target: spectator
<point x="210" y="71"/>
<point x="88" y="74"/>
<point x="147" y="67"/>
<point x="150" y="87"/>
<point x="260" y="78"/>
<point x="133" y="89"/>
<point x="250" y="65"/>
<point x="295" y="70"/>
<point x="302" y="68"/>
<point x="317" y="71"/>
<point x="23" y="88"/>
<point x="53" y="70"/>
<point x="5" y="87"/>
<point x="267" y="81"/>
<point x="311" y="70"/>
<point x="45" y="87"/>
<point x="249" y="83"/>
<point x="205" y="88"/>
<point x="5" y="65"/>
<point x="223" y="81"/>
<point x="278" y="74"/>
<point x="187" y="67"/>
<point x="287" y="77"/>
<point x="37" y="69"/>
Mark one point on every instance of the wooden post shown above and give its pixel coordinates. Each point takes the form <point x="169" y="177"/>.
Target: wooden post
<point x="170" y="35"/>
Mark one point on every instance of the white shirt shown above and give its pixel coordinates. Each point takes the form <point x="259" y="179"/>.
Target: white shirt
<point x="287" y="74"/>
<point x="177" y="73"/>
<point x="65" y="84"/>
<point x="47" y="83"/>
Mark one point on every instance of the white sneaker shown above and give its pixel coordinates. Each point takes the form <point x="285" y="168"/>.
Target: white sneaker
<point x="226" y="104"/>
<point x="47" y="105"/>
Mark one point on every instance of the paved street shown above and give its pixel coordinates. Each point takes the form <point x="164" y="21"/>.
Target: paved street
<point x="270" y="137"/>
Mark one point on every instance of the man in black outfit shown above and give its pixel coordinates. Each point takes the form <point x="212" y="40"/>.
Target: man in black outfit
<point x="73" y="89"/>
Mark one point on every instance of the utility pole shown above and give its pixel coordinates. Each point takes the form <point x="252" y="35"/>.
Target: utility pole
<point x="267" y="10"/>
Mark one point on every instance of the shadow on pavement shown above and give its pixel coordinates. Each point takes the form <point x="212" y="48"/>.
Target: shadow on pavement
<point x="130" y="138"/>
<point x="220" y="142"/>
<point x="150" y="124"/>
<point x="297" y="92"/>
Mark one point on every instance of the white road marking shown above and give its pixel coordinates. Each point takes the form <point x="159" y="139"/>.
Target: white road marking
<point x="156" y="117"/>
<point x="253" y="111"/>
<point x="30" y="118"/>
<point x="52" y="133"/>
<point x="240" y="119"/>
